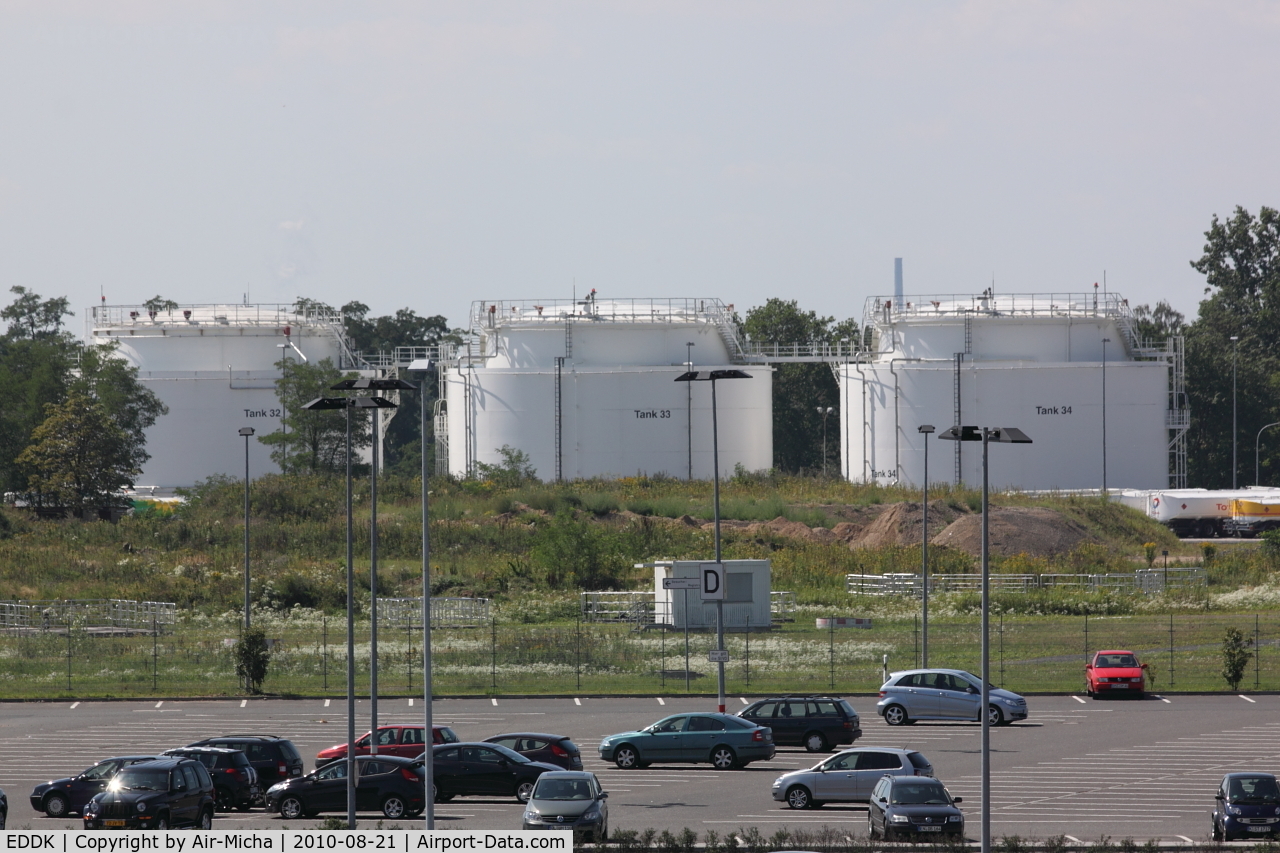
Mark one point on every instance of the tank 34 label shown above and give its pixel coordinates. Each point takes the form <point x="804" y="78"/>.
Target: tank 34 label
<point x="1053" y="410"/>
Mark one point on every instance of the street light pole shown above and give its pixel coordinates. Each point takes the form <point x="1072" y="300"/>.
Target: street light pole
<point x="712" y="376"/>
<point x="1006" y="435"/>
<point x="1235" y="430"/>
<point x="1105" y="341"/>
<point x="247" y="432"/>
<point x="373" y="590"/>
<point x="1257" y="443"/>
<point x="926" y="430"/>
<point x="428" y="735"/>
<point x="688" y="362"/>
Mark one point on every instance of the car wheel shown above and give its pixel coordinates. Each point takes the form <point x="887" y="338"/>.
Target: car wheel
<point x="224" y="800"/>
<point x="4" y="819"/>
<point x="55" y="805"/>
<point x="815" y="742"/>
<point x="1217" y="831"/>
<point x="206" y="818"/>
<point x="722" y="758"/>
<point x="626" y="758"/>
<point x="162" y="823"/>
<point x="393" y="807"/>
<point x="524" y="791"/>
<point x="871" y="828"/>
<point x="291" y="808"/>
<point x="994" y="717"/>
<point x="798" y="797"/>
<point x="896" y="715"/>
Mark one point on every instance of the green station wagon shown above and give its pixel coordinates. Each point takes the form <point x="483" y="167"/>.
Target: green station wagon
<point x="722" y="740"/>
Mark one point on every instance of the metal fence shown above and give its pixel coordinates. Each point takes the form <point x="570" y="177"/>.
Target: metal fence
<point x="638" y="607"/>
<point x="445" y="612"/>
<point x="103" y="614"/>
<point x="1143" y="580"/>
<point x="308" y="657"/>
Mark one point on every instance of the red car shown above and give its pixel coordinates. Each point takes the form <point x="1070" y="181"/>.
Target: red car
<point x="1115" y="672"/>
<point x="404" y="741"/>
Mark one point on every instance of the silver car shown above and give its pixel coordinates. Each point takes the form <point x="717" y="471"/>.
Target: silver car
<point x="848" y="776"/>
<point x="569" y="799"/>
<point x="944" y="694"/>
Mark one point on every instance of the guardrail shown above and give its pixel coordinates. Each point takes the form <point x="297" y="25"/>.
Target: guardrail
<point x="445" y="612"/>
<point x="639" y="606"/>
<point x="110" y="613"/>
<point x="1142" y="580"/>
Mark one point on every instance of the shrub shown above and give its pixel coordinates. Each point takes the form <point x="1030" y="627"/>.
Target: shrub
<point x="1235" y="657"/>
<point x="252" y="658"/>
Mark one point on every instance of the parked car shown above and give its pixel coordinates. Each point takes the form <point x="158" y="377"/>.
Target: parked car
<point x="390" y="784"/>
<point x="723" y="740"/>
<point x="160" y="794"/>
<point x="907" y="808"/>
<point x="1247" y="806"/>
<point x="569" y="799"/>
<point x="61" y="797"/>
<point x="404" y="741"/>
<point x="549" y="749"/>
<point x="847" y="776"/>
<point x="235" y="782"/>
<point x="4" y="809"/>
<point x="274" y="758"/>
<point x="815" y="722"/>
<point x="484" y="769"/>
<point x="1115" y="673"/>
<point x="944" y="694"/>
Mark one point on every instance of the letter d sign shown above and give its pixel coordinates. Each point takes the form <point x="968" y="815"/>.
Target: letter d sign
<point x="712" y="581"/>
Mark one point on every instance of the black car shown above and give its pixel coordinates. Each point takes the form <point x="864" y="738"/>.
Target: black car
<point x="484" y="769"/>
<point x="154" y="795"/>
<point x="4" y="809"/>
<point x="549" y="749"/>
<point x="908" y="808"/>
<point x="1248" y="806"/>
<point x="387" y="783"/>
<point x="817" y="723"/>
<point x="235" y="782"/>
<point x="275" y="758"/>
<point x="60" y="797"/>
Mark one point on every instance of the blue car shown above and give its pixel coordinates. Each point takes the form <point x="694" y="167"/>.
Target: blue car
<point x="945" y="694"/>
<point x="1247" y="806"/>
<point x="722" y="740"/>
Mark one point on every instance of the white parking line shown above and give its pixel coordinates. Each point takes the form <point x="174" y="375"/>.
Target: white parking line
<point x="1165" y="701"/>
<point x="577" y="701"/>
<point x="161" y="702"/>
<point x="493" y="700"/>
<point x="744" y="699"/>
<point x="661" y="701"/>
<point x="244" y="702"/>
<point x="1077" y="698"/>
<point x="326" y="703"/>
<point x="74" y="705"/>
<point x="1073" y="839"/>
<point x="1247" y="699"/>
<point x="1184" y="838"/>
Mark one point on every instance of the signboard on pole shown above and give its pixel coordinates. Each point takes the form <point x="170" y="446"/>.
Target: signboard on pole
<point x="718" y="656"/>
<point x="681" y="583"/>
<point x="712" y="581"/>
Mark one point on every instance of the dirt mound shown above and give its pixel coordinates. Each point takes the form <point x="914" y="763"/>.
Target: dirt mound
<point x="1036" y="531"/>
<point x="903" y="524"/>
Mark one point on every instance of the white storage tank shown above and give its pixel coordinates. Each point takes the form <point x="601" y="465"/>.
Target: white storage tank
<point x="214" y="366"/>
<point x="587" y="389"/>
<point x="1037" y="362"/>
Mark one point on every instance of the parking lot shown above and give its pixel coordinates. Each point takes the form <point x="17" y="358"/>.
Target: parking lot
<point x="1141" y="769"/>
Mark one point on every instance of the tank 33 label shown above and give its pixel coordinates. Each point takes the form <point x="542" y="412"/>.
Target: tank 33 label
<point x="646" y="414"/>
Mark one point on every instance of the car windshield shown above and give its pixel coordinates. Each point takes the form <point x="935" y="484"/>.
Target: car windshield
<point x="1253" y="789"/>
<point x="140" y="779"/>
<point x="562" y="789"/>
<point x="1112" y="661"/>
<point x="446" y="735"/>
<point x="920" y="794"/>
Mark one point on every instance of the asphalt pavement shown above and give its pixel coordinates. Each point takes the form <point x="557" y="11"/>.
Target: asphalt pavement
<point x="1079" y="768"/>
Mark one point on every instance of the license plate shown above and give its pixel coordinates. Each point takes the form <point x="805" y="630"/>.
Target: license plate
<point x="1259" y="828"/>
<point x="1119" y="687"/>
<point x="113" y="823"/>
<point x="930" y="829"/>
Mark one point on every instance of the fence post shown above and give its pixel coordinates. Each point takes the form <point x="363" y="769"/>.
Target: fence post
<point x="324" y="654"/>
<point x="493" y="650"/>
<point x="1086" y="639"/>
<point x="155" y="655"/>
<point x="577" y="652"/>
<point x="748" y="654"/>
<point x="68" y="649"/>
<point x="1001" y="635"/>
<point x="915" y="639"/>
<point x="1170" y="649"/>
<point x="408" y="660"/>
<point x="1257" y="652"/>
<point x="831" y="645"/>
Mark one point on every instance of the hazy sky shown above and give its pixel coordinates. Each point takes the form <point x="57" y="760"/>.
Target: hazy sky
<point x="426" y="154"/>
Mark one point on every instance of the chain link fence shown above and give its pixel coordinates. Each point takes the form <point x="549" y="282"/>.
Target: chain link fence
<point x="1028" y="654"/>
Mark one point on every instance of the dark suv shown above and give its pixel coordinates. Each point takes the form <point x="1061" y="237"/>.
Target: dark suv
<point x="158" y="794"/>
<point x="815" y="722"/>
<point x="275" y="758"/>
<point x="235" y="782"/>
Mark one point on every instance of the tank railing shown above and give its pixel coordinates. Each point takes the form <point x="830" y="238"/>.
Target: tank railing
<point x="86" y="613"/>
<point x="406" y="613"/>
<point x="1016" y="304"/>
<point x="485" y="315"/>
<point x="206" y="314"/>
<point x="402" y="357"/>
<point x="1143" y="580"/>
<point x="819" y="351"/>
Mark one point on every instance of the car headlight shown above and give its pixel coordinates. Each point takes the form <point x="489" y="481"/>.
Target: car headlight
<point x="532" y="817"/>
<point x="279" y="786"/>
<point x="91" y="808"/>
<point x="956" y="818"/>
<point x="142" y="806"/>
<point x="898" y="818"/>
<point x="592" y="813"/>
<point x="1234" y="810"/>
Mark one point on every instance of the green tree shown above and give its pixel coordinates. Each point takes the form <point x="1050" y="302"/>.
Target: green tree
<point x="1241" y="266"/>
<point x="80" y="456"/>
<point x="1235" y="657"/>
<point x="574" y="554"/>
<point x="513" y="471"/>
<point x="313" y="440"/>
<point x="1157" y="325"/>
<point x="252" y="656"/>
<point x="156" y="304"/>
<point x="32" y="317"/>
<point x="799" y="390"/>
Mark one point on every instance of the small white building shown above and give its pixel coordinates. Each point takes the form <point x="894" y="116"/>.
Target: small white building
<point x="747" y="594"/>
